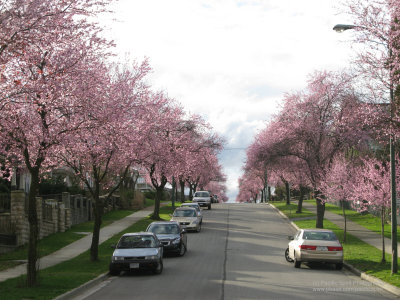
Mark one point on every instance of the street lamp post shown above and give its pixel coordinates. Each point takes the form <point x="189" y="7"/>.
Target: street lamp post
<point x="341" y="28"/>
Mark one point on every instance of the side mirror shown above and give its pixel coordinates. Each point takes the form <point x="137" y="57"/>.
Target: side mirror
<point x="113" y="246"/>
<point x="160" y="245"/>
<point x="290" y="237"/>
<point x="183" y="230"/>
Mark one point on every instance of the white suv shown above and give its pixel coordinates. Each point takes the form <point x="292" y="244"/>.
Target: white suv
<point x="203" y="198"/>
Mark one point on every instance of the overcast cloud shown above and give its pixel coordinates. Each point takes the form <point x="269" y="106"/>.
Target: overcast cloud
<point x="231" y="61"/>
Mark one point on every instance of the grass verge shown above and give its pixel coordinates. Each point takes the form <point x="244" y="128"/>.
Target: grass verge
<point x="58" y="240"/>
<point x="290" y="210"/>
<point x="70" y="274"/>
<point x="366" y="220"/>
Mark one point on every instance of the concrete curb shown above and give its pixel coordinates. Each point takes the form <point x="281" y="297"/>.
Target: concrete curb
<point x="284" y="217"/>
<point x="380" y="283"/>
<point x="376" y="281"/>
<point x="84" y="287"/>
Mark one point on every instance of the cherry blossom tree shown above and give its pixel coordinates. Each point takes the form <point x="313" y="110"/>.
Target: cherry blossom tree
<point x="45" y="49"/>
<point x="371" y="190"/>
<point x="102" y="152"/>
<point x="338" y="184"/>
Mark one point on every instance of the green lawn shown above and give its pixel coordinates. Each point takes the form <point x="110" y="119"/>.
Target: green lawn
<point x="359" y="254"/>
<point x="290" y="210"/>
<point x="366" y="220"/>
<point x="63" y="277"/>
<point x="59" y="240"/>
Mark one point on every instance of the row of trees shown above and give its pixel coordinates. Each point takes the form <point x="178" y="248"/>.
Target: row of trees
<point x="63" y="103"/>
<point x="333" y="136"/>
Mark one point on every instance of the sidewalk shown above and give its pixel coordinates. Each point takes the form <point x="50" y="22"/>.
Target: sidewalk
<point x="79" y="246"/>
<point x="358" y="231"/>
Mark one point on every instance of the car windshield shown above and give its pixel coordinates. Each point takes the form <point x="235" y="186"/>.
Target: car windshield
<point x="193" y="206"/>
<point x="319" y="235"/>
<point x="185" y="213"/>
<point x="164" y="229"/>
<point x="202" y="194"/>
<point x="136" y="241"/>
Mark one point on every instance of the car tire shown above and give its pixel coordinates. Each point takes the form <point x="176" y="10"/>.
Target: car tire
<point x="113" y="271"/>
<point x="297" y="263"/>
<point x="339" y="266"/>
<point x="198" y="228"/>
<point x="182" y="249"/>
<point x="288" y="259"/>
<point x="159" y="268"/>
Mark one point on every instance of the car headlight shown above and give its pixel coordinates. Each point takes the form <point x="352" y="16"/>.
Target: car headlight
<point x="151" y="257"/>
<point x="115" y="258"/>
<point x="176" y="241"/>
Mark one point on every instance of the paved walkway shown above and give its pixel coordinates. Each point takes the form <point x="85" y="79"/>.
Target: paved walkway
<point x="79" y="246"/>
<point x="357" y="230"/>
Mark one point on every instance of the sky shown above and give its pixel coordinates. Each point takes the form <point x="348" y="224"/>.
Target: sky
<point x="231" y="61"/>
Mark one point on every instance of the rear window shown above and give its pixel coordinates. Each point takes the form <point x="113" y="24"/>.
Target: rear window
<point x="321" y="236"/>
<point x="202" y="194"/>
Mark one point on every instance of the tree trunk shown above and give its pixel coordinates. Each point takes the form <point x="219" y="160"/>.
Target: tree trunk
<point x="33" y="228"/>
<point x="383" y="233"/>
<point x="345" y="221"/>
<point x="173" y="196"/>
<point x="98" y="211"/>
<point x="320" y="210"/>
<point x="156" y="213"/>
<point x="269" y="194"/>
<point x="262" y="196"/>
<point x="190" y="192"/>
<point x="182" y="184"/>
<point x="301" y="198"/>
<point x="287" y="187"/>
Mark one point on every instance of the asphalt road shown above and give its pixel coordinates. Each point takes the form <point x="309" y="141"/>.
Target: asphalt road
<point x="239" y="254"/>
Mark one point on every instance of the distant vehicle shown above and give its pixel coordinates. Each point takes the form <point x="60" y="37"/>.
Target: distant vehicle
<point x="140" y="250"/>
<point x="315" y="245"/>
<point x="215" y="199"/>
<point x="203" y="198"/>
<point x="170" y="234"/>
<point x="187" y="218"/>
<point x="197" y="207"/>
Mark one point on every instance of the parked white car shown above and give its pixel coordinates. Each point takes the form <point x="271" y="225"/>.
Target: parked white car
<point x="315" y="245"/>
<point x="187" y="218"/>
<point x="203" y="198"/>
<point x="139" y="250"/>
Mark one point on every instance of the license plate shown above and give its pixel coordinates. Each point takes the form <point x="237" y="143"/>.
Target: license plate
<point x="322" y="248"/>
<point x="134" y="265"/>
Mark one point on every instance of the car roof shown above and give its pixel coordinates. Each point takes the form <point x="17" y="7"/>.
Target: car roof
<point x="317" y="230"/>
<point x="138" y="233"/>
<point x="185" y="208"/>
<point x="164" y="223"/>
<point x="190" y="204"/>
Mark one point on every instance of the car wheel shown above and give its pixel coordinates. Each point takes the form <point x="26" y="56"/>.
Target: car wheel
<point x="287" y="255"/>
<point x="159" y="268"/>
<point x="198" y="228"/>
<point x="182" y="249"/>
<point x="297" y="263"/>
<point x="113" y="271"/>
<point x="339" y="266"/>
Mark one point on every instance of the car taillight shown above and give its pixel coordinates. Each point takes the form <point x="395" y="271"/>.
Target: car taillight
<point x="308" y="247"/>
<point x="331" y="248"/>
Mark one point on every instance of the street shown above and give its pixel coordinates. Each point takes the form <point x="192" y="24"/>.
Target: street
<point x="239" y="254"/>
